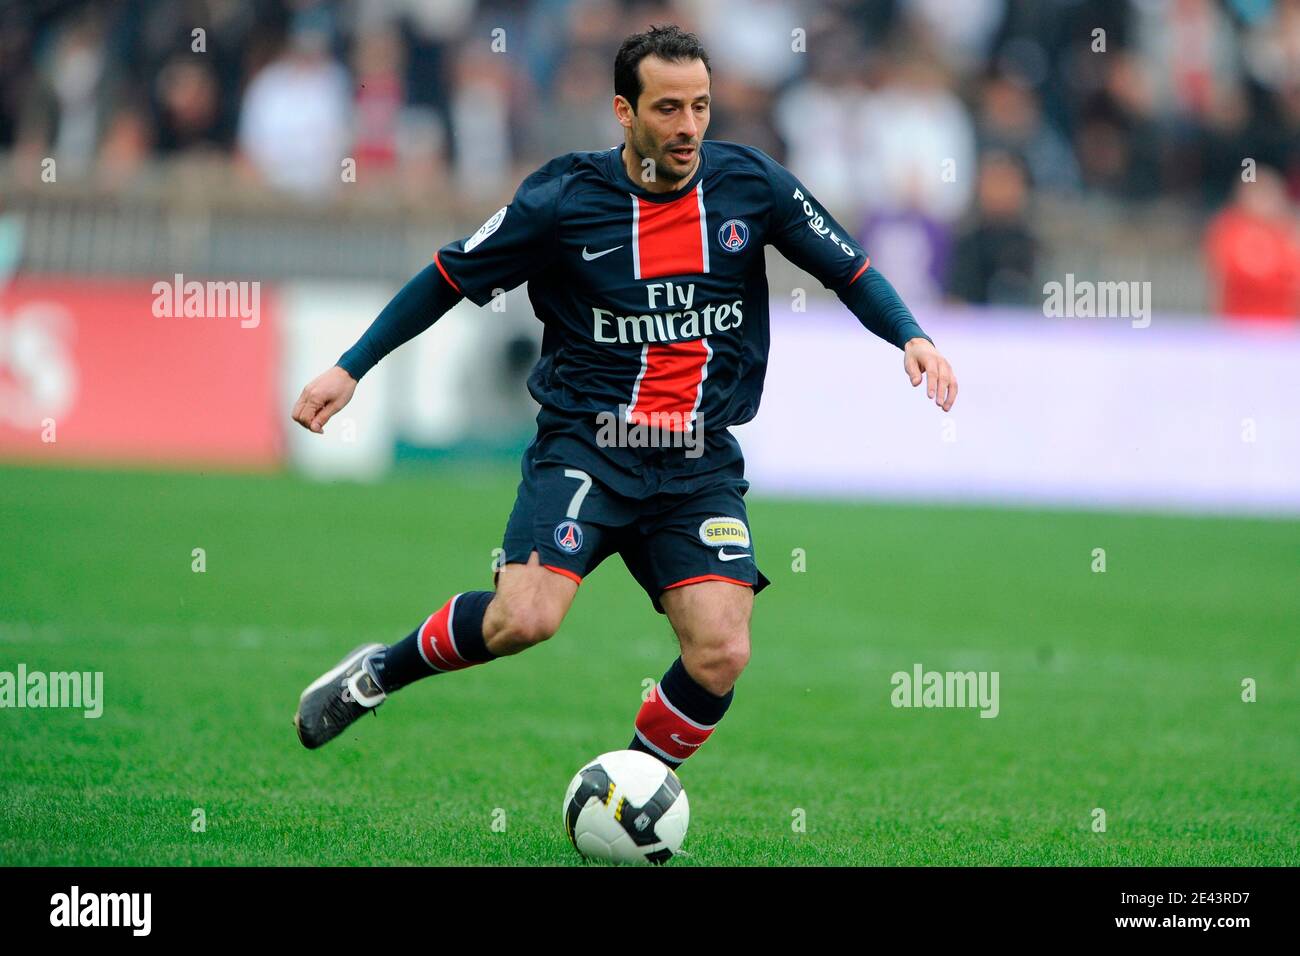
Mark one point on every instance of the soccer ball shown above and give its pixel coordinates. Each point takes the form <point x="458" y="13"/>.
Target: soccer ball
<point x="626" y="807"/>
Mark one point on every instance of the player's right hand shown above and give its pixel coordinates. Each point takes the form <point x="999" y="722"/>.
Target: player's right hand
<point x="324" y="395"/>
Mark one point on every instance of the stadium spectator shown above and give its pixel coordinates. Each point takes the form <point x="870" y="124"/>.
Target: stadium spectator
<point x="1010" y="120"/>
<point x="378" y="99"/>
<point x="482" y="121"/>
<point x="582" y="119"/>
<point x="993" y="259"/>
<point x="915" y="142"/>
<point x="295" y="119"/>
<point x="71" y="101"/>
<point x="1118" y="136"/>
<point x="1253" y="252"/>
<point x="189" y="107"/>
<point x="751" y="40"/>
<point x="813" y="116"/>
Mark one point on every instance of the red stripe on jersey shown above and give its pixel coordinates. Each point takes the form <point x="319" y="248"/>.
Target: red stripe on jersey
<point x="660" y="725"/>
<point x="670" y="384"/>
<point x="860" y="271"/>
<point x="436" y="644"/>
<point x="438" y="263"/>
<point x="668" y="237"/>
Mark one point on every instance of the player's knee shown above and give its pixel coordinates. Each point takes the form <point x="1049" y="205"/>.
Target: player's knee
<point x="720" y="663"/>
<point x="534" y="628"/>
<point x="734" y="658"/>
<point x="530" y="625"/>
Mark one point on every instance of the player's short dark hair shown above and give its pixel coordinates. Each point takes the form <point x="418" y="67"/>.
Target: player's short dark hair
<point x="668" y="43"/>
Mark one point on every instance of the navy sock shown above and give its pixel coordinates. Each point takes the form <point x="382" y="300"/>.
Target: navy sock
<point x="450" y="639"/>
<point x="643" y="748"/>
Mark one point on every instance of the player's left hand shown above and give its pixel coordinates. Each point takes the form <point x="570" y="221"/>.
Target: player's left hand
<point x="921" y="357"/>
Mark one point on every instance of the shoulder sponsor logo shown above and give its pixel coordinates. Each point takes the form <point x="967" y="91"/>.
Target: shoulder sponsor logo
<point x="589" y="256"/>
<point x="485" y="230"/>
<point x="817" y="223"/>
<point x="720" y="531"/>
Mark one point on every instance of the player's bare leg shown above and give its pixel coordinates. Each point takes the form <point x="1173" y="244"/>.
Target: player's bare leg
<point x="530" y="603"/>
<point x="711" y="619"/>
<point x="471" y="628"/>
<point x="712" y="624"/>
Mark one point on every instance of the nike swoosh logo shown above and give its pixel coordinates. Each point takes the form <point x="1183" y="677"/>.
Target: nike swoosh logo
<point x="726" y="556"/>
<point x="596" y="255"/>
<point x="684" y="743"/>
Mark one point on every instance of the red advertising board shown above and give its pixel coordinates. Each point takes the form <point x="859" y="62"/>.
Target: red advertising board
<point x="125" y="371"/>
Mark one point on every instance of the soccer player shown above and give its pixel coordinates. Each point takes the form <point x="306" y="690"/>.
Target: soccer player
<point x="645" y="264"/>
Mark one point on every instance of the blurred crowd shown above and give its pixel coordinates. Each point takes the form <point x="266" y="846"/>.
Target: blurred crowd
<point x="930" y="126"/>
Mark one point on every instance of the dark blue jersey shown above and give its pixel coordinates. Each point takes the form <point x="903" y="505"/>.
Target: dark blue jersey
<point x="655" y="305"/>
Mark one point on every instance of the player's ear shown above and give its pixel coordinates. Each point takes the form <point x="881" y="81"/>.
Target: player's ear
<point x="623" y="111"/>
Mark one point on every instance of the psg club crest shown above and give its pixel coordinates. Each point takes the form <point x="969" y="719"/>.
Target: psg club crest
<point x="734" y="235"/>
<point x="568" y="536"/>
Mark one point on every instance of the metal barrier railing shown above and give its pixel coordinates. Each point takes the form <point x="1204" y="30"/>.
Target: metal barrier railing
<point x="223" y="226"/>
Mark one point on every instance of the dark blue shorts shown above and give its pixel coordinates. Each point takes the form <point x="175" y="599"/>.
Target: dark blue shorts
<point x="574" y="522"/>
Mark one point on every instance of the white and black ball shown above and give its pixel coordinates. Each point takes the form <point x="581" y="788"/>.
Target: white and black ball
<point x="626" y="807"/>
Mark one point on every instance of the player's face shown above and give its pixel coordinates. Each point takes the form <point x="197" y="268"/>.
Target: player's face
<point x="671" y="117"/>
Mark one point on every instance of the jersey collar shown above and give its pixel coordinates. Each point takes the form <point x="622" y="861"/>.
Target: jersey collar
<point x="622" y="180"/>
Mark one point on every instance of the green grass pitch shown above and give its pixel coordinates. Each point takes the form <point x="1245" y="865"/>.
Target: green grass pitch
<point x="1120" y="690"/>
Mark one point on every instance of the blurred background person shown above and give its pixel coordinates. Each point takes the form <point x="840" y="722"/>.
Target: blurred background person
<point x="1252" y="249"/>
<point x="295" y="120"/>
<point x="70" y="98"/>
<point x="994" y="257"/>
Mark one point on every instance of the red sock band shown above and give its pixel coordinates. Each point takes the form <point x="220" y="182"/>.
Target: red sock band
<point x="666" y="731"/>
<point x="438" y="641"/>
